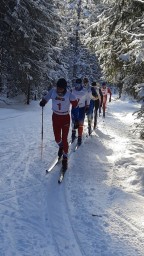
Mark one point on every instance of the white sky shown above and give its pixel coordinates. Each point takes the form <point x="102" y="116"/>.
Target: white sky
<point x="98" y="210"/>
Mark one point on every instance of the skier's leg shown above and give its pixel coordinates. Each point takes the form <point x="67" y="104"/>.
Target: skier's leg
<point x="99" y="109"/>
<point x="57" y="126"/>
<point x="104" y="105"/>
<point x="95" y="112"/>
<point x="90" y="116"/>
<point x="65" y="131"/>
<point x="73" y="135"/>
<point x="81" y="124"/>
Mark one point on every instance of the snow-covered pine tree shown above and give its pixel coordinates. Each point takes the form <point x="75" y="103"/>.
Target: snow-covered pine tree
<point x="77" y="59"/>
<point x="30" y="30"/>
<point x="117" y="37"/>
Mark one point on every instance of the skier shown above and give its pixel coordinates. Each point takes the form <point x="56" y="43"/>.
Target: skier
<point x="61" y="100"/>
<point x="105" y="91"/>
<point x="83" y="103"/>
<point x="86" y="84"/>
<point x="95" y="102"/>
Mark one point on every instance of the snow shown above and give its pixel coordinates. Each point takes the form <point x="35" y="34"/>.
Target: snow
<point x="124" y="57"/>
<point x="141" y="1"/>
<point x="99" y="207"/>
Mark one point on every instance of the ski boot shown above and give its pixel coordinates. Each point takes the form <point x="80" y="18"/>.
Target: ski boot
<point x="89" y="127"/>
<point x="60" y="152"/>
<point x="95" y="125"/>
<point x="64" y="163"/>
<point x="79" y="141"/>
<point x="100" y="110"/>
<point x="73" y="135"/>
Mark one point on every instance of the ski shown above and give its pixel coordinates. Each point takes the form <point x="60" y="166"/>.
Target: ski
<point x="61" y="176"/>
<point x="62" y="171"/>
<point x="93" y="132"/>
<point x="76" y="147"/>
<point x="55" y="162"/>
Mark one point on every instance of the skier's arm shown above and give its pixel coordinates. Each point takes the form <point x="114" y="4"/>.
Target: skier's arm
<point x="87" y="103"/>
<point x="75" y="108"/>
<point x="110" y="93"/>
<point x="88" y="98"/>
<point x="94" y="93"/>
<point x="46" y="98"/>
<point x="100" y="92"/>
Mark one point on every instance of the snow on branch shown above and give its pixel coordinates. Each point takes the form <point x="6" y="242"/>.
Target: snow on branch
<point x="140" y="1"/>
<point x="132" y="34"/>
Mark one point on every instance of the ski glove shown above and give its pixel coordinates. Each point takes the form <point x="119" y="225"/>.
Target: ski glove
<point x="42" y="102"/>
<point x="76" y="124"/>
<point x="109" y="99"/>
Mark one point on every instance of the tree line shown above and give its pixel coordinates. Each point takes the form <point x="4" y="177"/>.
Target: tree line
<point x="43" y="40"/>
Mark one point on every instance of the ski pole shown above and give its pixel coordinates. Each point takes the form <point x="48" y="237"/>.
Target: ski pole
<point x="42" y="125"/>
<point x="42" y="136"/>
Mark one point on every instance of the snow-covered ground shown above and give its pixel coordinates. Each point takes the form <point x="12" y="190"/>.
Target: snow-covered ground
<point x="98" y="210"/>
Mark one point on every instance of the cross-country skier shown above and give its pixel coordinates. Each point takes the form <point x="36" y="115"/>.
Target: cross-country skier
<point x="83" y="102"/>
<point x="105" y="91"/>
<point x="85" y="84"/>
<point x="61" y="100"/>
<point x="95" y="101"/>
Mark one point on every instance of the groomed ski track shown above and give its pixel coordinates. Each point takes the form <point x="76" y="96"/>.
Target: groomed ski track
<point x="92" y="213"/>
<point x="98" y="208"/>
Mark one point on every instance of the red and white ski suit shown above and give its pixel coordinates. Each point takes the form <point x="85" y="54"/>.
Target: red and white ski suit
<point x="61" y="116"/>
<point x="105" y="91"/>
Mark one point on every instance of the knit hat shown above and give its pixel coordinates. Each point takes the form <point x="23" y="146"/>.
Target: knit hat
<point x="62" y="83"/>
<point x="78" y="81"/>
<point x="93" y="84"/>
<point x="103" y="83"/>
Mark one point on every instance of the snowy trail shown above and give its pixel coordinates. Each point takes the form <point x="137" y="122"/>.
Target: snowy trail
<point x="60" y="222"/>
<point x="122" y="213"/>
<point x="96" y="211"/>
<point x="23" y="215"/>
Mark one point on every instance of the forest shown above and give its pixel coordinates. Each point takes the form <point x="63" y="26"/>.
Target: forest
<point x="43" y="40"/>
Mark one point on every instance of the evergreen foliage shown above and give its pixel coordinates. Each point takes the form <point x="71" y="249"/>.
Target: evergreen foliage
<point x="29" y="31"/>
<point x="43" y="40"/>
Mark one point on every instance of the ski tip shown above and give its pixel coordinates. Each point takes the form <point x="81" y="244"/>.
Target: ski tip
<point x="60" y="179"/>
<point x="77" y="146"/>
<point x="62" y="174"/>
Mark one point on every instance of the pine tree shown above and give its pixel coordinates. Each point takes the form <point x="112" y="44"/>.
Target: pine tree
<point x="30" y="30"/>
